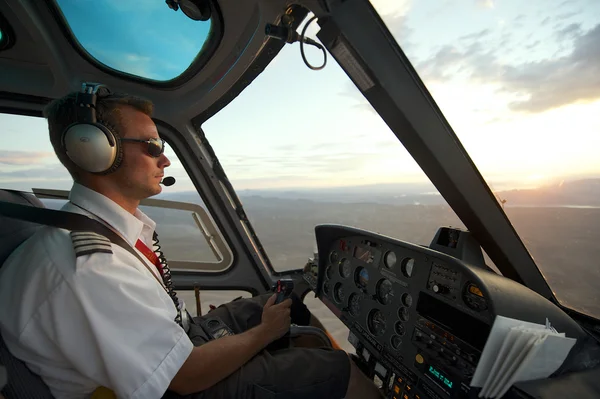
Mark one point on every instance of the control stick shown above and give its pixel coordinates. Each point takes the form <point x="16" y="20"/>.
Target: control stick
<point x="283" y="288"/>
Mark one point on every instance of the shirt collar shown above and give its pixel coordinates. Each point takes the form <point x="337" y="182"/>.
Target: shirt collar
<point x="131" y="227"/>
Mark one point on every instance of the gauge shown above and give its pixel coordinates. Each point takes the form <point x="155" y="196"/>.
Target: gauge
<point x="338" y="293"/>
<point x="326" y="288"/>
<point x="403" y="314"/>
<point x="396" y="342"/>
<point x="408" y="265"/>
<point x="407" y="300"/>
<point x="376" y="322"/>
<point x="333" y="257"/>
<point x="329" y="271"/>
<point x="361" y="277"/>
<point x="354" y="304"/>
<point x="345" y="268"/>
<point x="399" y="328"/>
<point x="385" y="291"/>
<point x="390" y="259"/>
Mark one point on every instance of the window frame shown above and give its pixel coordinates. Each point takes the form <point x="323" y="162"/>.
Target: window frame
<point x="205" y="223"/>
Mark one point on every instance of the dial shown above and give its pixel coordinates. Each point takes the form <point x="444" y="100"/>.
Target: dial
<point x="403" y="314"/>
<point x="361" y="277"/>
<point x="396" y="342"/>
<point x="333" y="257"/>
<point x="407" y="300"/>
<point x="376" y="322"/>
<point x="338" y="293"/>
<point x="408" y="265"/>
<point x="385" y="291"/>
<point x="326" y="288"/>
<point x="345" y="268"/>
<point x="354" y="304"/>
<point x="329" y="271"/>
<point x="399" y="328"/>
<point x="390" y="259"/>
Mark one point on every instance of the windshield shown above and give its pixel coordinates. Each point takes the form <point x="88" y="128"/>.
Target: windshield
<point x="318" y="153"/>
<point x="519" y="82"/>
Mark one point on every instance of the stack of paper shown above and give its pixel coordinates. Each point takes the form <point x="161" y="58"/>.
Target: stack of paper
<point x="518" y="351"/>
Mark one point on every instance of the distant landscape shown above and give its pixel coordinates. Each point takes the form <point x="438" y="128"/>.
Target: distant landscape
<point x="560" y="226"/>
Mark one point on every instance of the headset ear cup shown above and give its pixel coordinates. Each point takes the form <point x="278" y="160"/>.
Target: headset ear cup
<point x="118" y="148"/>
<point x="90" y="146"/>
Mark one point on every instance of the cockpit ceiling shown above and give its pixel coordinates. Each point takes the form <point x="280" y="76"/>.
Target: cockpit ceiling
<point x="45" y="62"/>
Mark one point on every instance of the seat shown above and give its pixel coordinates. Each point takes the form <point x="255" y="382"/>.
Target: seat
<point x="22" y="383"/>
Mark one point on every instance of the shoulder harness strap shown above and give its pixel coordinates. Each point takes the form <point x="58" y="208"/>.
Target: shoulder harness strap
<point x="88" y="242"/>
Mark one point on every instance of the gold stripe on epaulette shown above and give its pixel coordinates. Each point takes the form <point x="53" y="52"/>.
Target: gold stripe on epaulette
<point x="87" y="242"/>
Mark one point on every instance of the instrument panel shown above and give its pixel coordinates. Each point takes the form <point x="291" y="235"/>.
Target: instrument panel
<point x="418" y="318"/>
<point x="419" y="322"/>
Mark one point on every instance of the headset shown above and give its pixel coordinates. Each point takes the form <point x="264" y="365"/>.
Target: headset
<point x="90" y="144"/>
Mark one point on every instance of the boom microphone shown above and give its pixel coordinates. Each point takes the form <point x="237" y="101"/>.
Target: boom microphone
<point x="168" y="181"/>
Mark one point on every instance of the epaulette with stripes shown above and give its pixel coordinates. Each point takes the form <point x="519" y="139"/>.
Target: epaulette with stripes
<point x="87" y="242"/>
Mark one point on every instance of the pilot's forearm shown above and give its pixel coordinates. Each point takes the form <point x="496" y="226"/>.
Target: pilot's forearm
<point x="215" y="360"/>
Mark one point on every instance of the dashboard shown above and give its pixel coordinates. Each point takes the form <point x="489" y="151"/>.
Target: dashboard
<point x="418" y="318"/>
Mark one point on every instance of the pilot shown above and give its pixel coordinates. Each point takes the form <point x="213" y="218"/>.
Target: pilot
<point x="86" y="314"/>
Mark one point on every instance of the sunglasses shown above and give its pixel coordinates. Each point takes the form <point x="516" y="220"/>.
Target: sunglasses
<point x="155" y="146"/>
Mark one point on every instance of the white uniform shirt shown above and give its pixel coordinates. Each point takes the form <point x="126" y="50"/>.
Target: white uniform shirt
<point x="96" y="320"/>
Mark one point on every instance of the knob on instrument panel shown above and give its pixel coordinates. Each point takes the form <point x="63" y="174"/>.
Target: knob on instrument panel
<point x="439" y="288"/>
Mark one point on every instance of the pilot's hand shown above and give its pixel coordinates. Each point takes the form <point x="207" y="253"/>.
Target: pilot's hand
<point x="276" y="319"/>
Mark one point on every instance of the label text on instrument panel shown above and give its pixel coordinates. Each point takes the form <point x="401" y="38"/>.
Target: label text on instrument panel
<point x="367" y="336"/>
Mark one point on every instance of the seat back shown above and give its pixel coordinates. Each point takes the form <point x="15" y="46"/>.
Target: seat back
<point x="22" y="383"/>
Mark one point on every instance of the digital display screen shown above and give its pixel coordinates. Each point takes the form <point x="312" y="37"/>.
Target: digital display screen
<point x="440" y="377"/>
<point x="471" y="330"/>
<point x="367" y="255"/>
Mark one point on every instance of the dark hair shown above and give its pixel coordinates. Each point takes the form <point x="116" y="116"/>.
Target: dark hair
<point x="62" y="112"/>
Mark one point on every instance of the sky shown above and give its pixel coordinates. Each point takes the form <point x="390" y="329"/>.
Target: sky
<point x="518" y="82"/>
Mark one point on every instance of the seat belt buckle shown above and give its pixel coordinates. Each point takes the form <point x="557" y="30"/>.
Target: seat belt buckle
<point x="215" y="327"/>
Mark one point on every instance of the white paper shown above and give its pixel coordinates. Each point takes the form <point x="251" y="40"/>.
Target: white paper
<point x="522" y="367"/>
<point x="511" y="371"/>
<point x="500" y="329"/>
<point x="518" y="351"/>
<point x="501" y="360"/>
<point x="551" y="354"/>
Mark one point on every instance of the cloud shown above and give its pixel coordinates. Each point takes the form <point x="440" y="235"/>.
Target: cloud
<point x="50" y="172"/>
<point x="476" y="35"/>
<point x="485" y="3"/>
<point x="299" y="163"/>
<point x="571" y="31"/>
<point x="541" y="85"/>
<point x="567" y="15"/>
<point x="552" y="83"/>
<point x="392" y="8"/>
<point x="23" y="157"/>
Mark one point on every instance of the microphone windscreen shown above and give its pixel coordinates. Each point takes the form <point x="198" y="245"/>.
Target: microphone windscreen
<point x="168" y="181"/>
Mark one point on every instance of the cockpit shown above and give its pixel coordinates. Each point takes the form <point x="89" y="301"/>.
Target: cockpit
<point x="422" y="171"/>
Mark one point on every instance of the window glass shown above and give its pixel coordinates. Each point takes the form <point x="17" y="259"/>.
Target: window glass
<point x="27" y="161"/>
<point x="518" y="82"/>
<point x="142" y="38"/>
<point x="319" y="154"/>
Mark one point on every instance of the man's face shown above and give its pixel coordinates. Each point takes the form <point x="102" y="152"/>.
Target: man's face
<point x="139" y="175"/>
